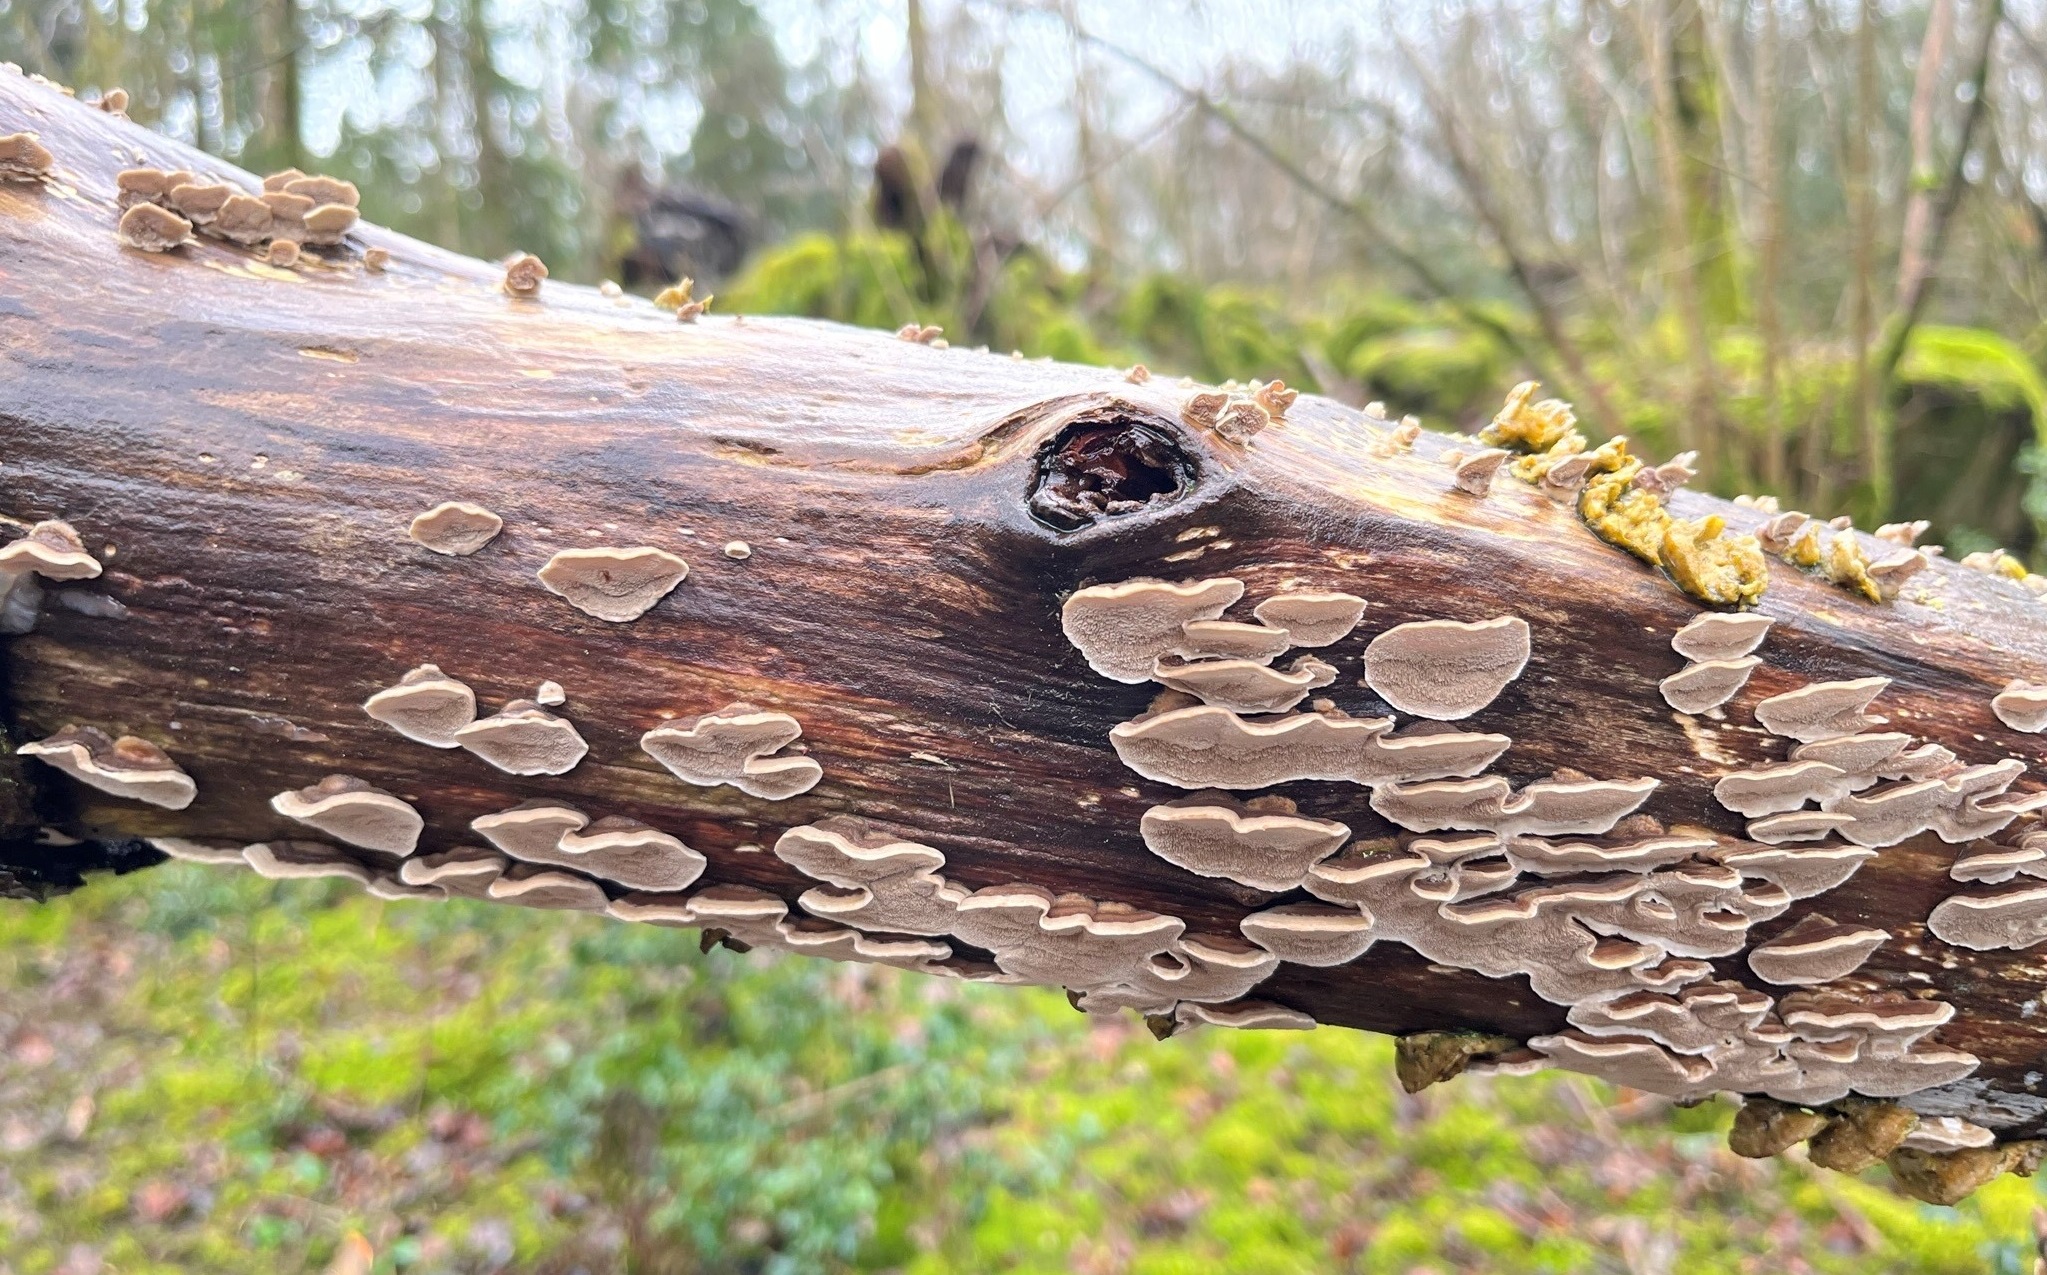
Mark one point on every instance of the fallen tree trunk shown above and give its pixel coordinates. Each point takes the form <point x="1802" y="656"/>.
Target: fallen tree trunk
<point x="967" y="652"/>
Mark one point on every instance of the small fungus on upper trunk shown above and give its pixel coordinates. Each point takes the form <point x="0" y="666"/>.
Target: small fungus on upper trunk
<point x="23" y="158"/>
<point x="152" y="228"/>
<point x="523" y="274"/>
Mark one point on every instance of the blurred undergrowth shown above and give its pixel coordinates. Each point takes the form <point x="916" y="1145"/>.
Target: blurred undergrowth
<point x="205" y="1071"/>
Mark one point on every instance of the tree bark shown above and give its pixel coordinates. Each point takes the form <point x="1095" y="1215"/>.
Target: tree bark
<point x="243" y="447"/>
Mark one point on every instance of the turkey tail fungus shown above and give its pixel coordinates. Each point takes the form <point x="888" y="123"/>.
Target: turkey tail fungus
<point x="992" y="692"/>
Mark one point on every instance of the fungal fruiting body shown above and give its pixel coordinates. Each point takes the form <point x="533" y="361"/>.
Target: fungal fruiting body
<point x="53" y="551"/>
<point x="1716" y="646"/>
<point x="128" y="767"/>
<point x="1446" y="669"/>
<point x="613" y="584"/>
<point x="735" y="745"/>
<point x="1562" y="880"/>
<point x="456" y="528"/>
<point x="677" y="297"/>
<point x="523" y="738"/>
<point x="352" y="811"/>
<point x="149" y="228"/>
<point x="426" y="706"/>
<point x="1623" y="501"/>
<point x="23" y="158"/>
<point x="523" y="274"/>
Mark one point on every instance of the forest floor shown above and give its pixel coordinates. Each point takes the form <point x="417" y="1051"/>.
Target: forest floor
<point x="204" y="1071"/>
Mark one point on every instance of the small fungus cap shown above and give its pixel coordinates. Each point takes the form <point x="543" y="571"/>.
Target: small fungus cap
<point x="615" y="585"/>
<point x="1121" y="629"/>
<point x="456" y="528"/>
<point x="350" y="810"/>
<point x="1446" y="669"/>
<point x="523" y="275"/>
<point x="53" y="551"/>
<point x="152" y="228"/>
<point x="321" y="190"/>
<point x="426" y="706"/>
<point x="23" y="158"/>
<point x="129" y="767"/>
<point x="524" y="739"/>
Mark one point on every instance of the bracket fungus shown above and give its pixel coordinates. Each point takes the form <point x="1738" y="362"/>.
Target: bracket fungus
<point x="1810" y="1047"/>
<point x="532" y="830"/>
<point x="191" y="850"/>
<point x="153" y="228"/>
<point x="1208" y="747"/>
<point x="1473" y="474"/>
<point x="426" y="706"/>
<point x="129" y="767"/>
<point x="1244" y="1015"/>
<point x="550" y="694"/>
<point x="1313" y="934"/>
<point x="522" y="738"/>
<point x="1720" y="635"/>
<point x="351" y="811"/>
<point x="735" y="745"/>
<point x="1822" y="710"/>
<point x="613" y="584"/>
<point x="1815" y="950"/>
<point x="1545" y="808"/>
<point x="1228" y="415"/>
<point x="881" y="881"/>
<point x="23" y="158"/>
<point x="1311" y="617"/>
<point x="464" y="872"/>
<point x="1706" y="684"/>
<point x="52" y="550"/>
<point x="1245" y="686"/>
<point x="1213" y="836"/>
<point x="303" y="861"/>
<point x="523" y="275"/>
<point x="1446" y="669"/>
<point x="2022" y="706"/>
<point x="540" y="888"/>
<point x="1985" y="922"/>
<point x="624" y="851"/>
<point x="1122" y="629"/>
<point x="1230" y="640"/>
<point x="456" y="528"/>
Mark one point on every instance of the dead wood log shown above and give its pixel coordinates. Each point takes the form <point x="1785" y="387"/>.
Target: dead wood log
<point x="967" y="645"/>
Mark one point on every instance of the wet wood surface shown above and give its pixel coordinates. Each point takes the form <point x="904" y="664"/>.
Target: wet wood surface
<point x="244" y="448"/>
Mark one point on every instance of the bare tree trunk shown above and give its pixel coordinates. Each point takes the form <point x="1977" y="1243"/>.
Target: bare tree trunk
<point x="1867" y="414"/>
<point x="949" y="589"/>
<point x="1766" y="162"/>
<point x="1701" y="426"/>
<point x="1940" y="25"/>
<point x="1915" y="276"/>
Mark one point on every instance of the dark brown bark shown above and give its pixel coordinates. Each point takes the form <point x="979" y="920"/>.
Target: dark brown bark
<point x="244" y="448"/>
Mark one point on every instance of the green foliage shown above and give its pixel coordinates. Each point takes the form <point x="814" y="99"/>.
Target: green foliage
<point x="203" y="1070"/>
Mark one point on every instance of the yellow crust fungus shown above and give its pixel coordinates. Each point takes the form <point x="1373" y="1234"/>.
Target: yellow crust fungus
<point x="1716" y="568"/>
